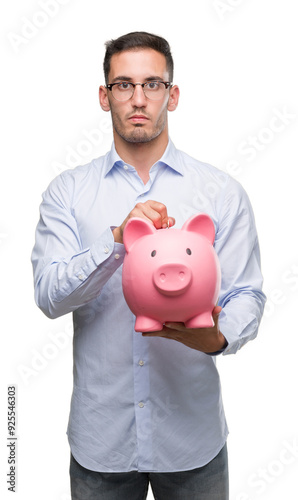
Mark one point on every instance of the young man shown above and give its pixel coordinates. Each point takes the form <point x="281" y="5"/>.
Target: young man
<point x="145" y="407"/>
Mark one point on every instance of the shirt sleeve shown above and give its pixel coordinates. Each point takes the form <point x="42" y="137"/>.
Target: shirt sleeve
<point x="67" y="276"/>
<point x="237" y="247"/>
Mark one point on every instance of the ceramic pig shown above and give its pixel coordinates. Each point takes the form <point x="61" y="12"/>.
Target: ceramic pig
<point x="171" y="274"/>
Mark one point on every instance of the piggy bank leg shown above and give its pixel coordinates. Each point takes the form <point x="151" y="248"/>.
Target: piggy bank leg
<point x="145" y="324"/>
<point x="203" y="320"/>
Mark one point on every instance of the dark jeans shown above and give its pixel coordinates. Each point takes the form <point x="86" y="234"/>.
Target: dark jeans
<point x="210" y="482"/>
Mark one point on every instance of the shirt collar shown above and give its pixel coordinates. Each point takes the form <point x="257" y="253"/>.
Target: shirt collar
<point x="170" y="158"/>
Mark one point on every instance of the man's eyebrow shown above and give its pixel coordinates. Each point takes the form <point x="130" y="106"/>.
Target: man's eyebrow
<point x="154" y="79"/>
<point x="122" y="78"/>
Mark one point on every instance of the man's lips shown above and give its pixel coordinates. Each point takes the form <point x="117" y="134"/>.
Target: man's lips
<point x="138" y="118"/>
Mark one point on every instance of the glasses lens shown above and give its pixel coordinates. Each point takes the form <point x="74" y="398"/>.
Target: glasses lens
<point x="122" y="91"/>
<point x="154" y="90"/>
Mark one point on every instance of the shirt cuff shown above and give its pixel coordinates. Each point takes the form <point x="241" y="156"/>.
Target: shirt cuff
<point x="216" y="353"/>
<point x="106" y="247"/>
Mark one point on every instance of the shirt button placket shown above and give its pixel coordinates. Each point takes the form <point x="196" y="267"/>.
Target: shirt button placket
<point x="142" y="403"/>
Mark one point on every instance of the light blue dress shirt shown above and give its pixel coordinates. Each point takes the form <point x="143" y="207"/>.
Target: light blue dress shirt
<point x="146" y="404"/>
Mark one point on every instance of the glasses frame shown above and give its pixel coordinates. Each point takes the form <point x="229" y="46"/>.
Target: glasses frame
<point x="111" y="85"/>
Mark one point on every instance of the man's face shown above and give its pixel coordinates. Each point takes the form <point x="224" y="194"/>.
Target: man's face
<point x="139" y="119"/>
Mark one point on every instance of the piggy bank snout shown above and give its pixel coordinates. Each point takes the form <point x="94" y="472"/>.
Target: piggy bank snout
<point x="172" y="279"/>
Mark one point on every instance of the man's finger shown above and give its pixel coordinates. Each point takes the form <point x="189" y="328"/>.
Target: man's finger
<point x="216" y="311"/>
<point x="176" y="326"/>
<point x="157" y="213"/>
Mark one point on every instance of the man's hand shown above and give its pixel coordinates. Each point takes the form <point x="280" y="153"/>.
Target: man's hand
<point x="206" y="340"/>
<point x="151" y="210"/>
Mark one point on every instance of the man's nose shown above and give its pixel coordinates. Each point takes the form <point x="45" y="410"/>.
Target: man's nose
<point x="139" y="99"/>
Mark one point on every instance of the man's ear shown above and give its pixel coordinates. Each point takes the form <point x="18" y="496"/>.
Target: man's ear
<point x="174" y="98"/>
<point x="103" y="98"/>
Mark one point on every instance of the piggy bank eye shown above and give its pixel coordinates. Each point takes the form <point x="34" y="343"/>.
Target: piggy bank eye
<point x="188" y="251"/>
<point x="153" y="253"/>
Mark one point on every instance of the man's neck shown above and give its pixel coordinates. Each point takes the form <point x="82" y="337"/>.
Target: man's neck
<point x="141" y="156"/>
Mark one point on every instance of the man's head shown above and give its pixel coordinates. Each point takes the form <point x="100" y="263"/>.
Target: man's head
<point x="138" y="91"/>
<point x="135" y="41"/>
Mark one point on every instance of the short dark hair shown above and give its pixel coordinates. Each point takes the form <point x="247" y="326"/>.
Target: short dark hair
<point x="134" y="41"/>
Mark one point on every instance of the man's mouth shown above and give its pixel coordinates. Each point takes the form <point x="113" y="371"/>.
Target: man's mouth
<point x="138" y="118"/>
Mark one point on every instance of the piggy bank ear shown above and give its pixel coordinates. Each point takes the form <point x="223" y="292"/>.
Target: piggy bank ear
<point x="136" y="228"/>
<point x="201" y="224"/>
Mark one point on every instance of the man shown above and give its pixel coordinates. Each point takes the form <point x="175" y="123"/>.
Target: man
<point x="145" y="407"/>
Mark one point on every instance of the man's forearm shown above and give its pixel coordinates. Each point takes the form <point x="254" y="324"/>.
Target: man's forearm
<point x="61" y="287"/>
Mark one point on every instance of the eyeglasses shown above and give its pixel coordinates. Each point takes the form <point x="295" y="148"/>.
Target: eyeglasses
<point x="153" y="90"/>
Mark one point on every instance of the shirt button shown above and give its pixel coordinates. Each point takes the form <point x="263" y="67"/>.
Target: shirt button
<point x="117" y="256"/>
<point x="141" y="405"/>
<point x="106" y="250"/>
<point x="125" y="167"/>
<point x="81" y="277"/>
<point x="141" y="362"/>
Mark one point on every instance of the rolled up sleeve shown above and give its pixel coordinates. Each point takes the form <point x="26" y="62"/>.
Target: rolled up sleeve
<point x="67" y="276"/>
<point x="241" y="296"/>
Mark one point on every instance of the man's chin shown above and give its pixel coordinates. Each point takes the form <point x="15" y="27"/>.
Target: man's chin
<point x="138" y="137"/>
<point x="139" y="140"/>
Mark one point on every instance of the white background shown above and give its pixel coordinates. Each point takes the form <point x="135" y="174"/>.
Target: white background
<point x="236" y="65"/>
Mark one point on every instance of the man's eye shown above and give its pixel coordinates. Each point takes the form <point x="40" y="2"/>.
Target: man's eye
<point x="152" y="85"/>
<point x="124" y="86"/>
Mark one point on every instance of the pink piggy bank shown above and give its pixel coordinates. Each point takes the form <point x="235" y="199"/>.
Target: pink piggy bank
<point x="171" y="274"/>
